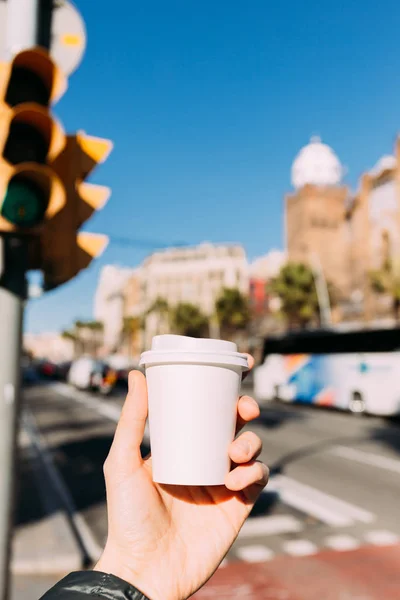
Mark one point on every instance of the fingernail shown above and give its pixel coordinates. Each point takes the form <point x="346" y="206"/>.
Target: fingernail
<point x="252" y="401"/>
<point x="131" y="384"/>
<point x="244" y="447"/>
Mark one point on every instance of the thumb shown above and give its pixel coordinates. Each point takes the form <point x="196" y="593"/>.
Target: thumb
<point x="125" y="449"/>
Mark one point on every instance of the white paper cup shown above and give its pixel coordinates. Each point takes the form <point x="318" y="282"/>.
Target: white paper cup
<point x="193" y="387"/>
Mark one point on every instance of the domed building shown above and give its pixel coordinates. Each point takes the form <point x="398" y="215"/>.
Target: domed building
<point x="316" y="164"/>
<point x="315" y="214"/>
<point x="345" y="236"/>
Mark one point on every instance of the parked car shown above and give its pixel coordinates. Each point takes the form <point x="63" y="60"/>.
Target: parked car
<point x="62" y="370"/>
<point x="46" y="369"/>
<point x="87" y="373"/>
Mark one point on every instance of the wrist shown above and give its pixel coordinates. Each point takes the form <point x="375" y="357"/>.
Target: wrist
<point x="112" y="564"/>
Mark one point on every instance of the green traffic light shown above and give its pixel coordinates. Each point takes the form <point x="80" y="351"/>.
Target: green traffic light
<point x="24" y="203"/>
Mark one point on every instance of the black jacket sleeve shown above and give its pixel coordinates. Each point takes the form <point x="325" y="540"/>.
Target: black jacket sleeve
<point x="86" y="585"/>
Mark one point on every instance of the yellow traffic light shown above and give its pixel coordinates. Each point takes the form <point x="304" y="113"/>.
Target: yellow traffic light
<point x="30" y="139"/>
<point x="64" y="251"/>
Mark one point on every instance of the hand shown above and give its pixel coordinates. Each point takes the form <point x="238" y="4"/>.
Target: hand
<point x="168" y="540"/>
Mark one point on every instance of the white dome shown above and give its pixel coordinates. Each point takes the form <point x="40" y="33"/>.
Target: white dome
<point x="316" y="164"/>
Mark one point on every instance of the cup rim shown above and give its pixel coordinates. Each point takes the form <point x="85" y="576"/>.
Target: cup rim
<point x="159" y="357"/>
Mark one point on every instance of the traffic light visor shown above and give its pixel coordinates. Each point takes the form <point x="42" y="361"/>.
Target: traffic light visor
<point x="94" y="151"/>
<point x="33" y="135"/>
<point x="32" y="76"/>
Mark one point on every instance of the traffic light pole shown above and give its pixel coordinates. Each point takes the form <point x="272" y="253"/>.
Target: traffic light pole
<point x="28" y="25"/>
<point x="12" y="299"/>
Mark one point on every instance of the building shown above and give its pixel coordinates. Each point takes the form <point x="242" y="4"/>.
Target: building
<point x="195" y="275"/>
<point x="134" y="308"/>
<point x="261" y="271"/>
<point x="109" y="304"/>
<point x="344" y="235"/>
<point x="51" y="346"/>
<point x="374" y="221"/>
<point x="315" y="214"/>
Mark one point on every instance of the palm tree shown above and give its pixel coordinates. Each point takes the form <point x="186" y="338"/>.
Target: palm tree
<point x="232" y="311"/>
<point x="72" y="336"/>
<point x="130" y="329"/>
<point x="295" y="287"/>
<point x="387" y="281"/>
<point x="187" y="319"/>
<point x="90" y="333"/>
<point x="161" y="307"/>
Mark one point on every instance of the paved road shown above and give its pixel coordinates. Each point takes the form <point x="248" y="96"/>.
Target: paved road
<point x="335" y="484"/>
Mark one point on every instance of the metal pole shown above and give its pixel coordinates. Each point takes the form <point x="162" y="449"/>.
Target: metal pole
<point x="28" y="25"/>
<point x="12" y="298"/>
<point x="322" y="291"/>
<point x="22" y="25"/>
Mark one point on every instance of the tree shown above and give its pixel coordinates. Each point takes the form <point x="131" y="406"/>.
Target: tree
<point x="72" y="336"/>
<point x="187" y="319"/>
<point x="233" y="312"/>
<point x="131" y="327"/>
<point x="161" y="307"/>
<point x="387" y="281"/>
<point x="90" y="334"/>
<point x="295" y="287"/>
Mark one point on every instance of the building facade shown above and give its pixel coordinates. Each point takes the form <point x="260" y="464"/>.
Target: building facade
<point x="345" y="235"/>
<point x="261" y="271"/>
<point x="194" y="275"/>
<point x="109" y="304"/>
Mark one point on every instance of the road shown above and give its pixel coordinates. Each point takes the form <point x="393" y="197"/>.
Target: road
<point x="334" y="487"/>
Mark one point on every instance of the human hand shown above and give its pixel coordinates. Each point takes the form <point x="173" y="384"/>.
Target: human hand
<point x="168" y="540"/>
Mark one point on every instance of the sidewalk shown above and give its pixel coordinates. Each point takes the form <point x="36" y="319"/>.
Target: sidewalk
<point x="32" y="587"/>
<point x="370" y="573"/>
<point x="44" y="547"/>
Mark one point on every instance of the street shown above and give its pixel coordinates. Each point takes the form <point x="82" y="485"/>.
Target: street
<point x="334" y="487"/>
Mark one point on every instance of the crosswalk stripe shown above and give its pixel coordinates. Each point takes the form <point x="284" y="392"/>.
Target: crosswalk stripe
<point x="270" y="525"/>
<point x="256" y="553"/>
<point x="368" y="458"/>
<point x="299" y="547"/>
<point x="328" y="509"/>
<point x="110" y="411"/>
<point x="342" y="542"/>
<point x="381" y="538"/>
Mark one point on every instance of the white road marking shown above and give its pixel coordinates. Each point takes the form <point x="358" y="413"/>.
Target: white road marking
<point x="328" y="509"/>
<point x="256" y="553"/>
<point x="342" y="542"/>
<point x="368" y="458"/>
<point x="110" y="411"/>
<point x="103" y="407"/>
<point x="382" y="538"/>
<point x="93" y="549"/>
<point x="272" y="525"/>
<point x="300" y="547"/>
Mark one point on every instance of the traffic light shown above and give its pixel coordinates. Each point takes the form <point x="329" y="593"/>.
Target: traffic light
<point x="64" y="251"/>
<point x="30" y="140"/>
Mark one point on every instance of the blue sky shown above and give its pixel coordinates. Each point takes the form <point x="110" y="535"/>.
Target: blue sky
<point x="208" y="103"/>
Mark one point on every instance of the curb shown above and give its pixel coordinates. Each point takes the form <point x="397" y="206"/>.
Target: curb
<point x="47" y="545"/>
<point x="36" y="548"/>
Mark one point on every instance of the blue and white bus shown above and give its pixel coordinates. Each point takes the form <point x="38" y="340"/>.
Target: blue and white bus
<point x="357" y="371"/>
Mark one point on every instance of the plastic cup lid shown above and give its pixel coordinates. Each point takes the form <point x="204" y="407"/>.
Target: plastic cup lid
<point x="167" y="349"/>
